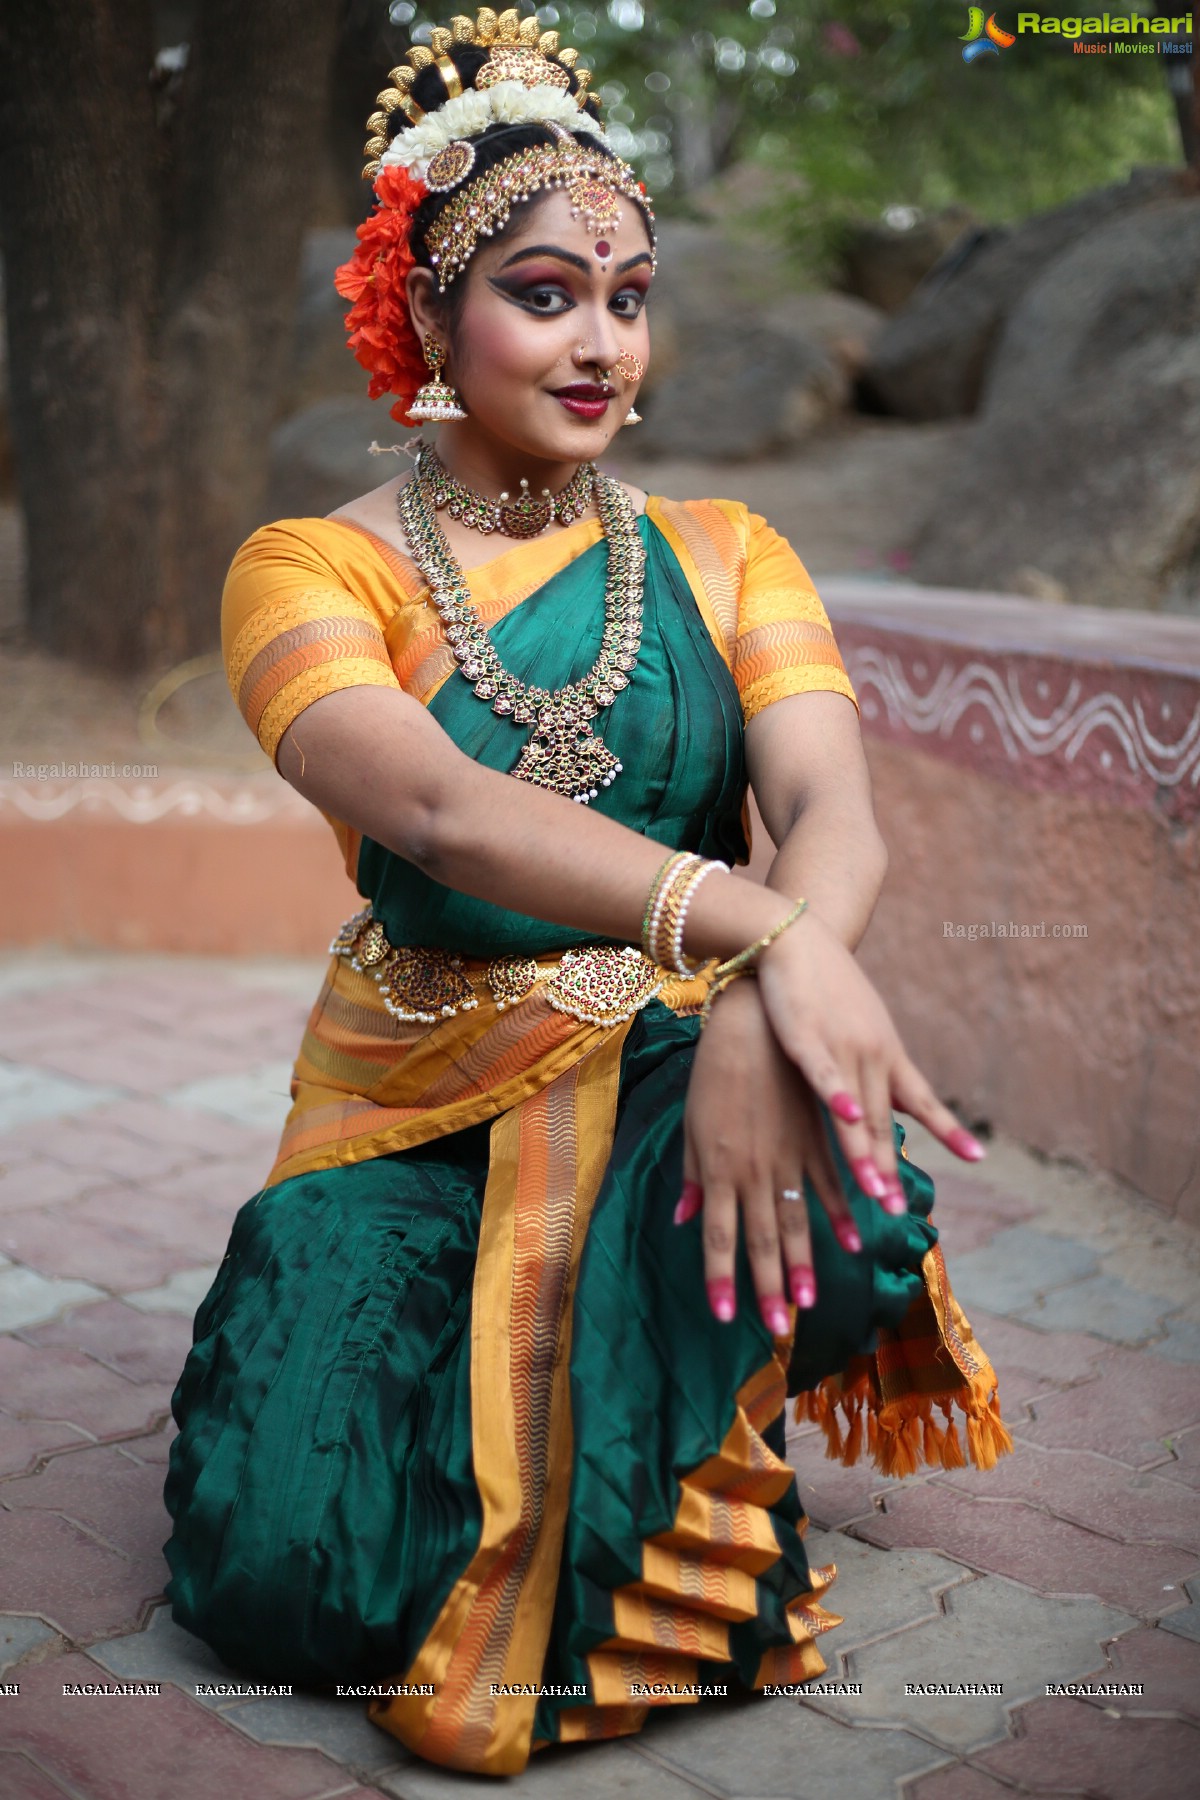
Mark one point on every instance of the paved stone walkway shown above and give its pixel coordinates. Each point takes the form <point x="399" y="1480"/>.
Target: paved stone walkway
<point x="139" y="1106"/>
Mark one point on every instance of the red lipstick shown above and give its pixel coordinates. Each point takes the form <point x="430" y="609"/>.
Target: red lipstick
<point x="585" y="399"/>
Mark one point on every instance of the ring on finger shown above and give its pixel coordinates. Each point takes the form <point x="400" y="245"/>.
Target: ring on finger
<point x="791" y="1194"/>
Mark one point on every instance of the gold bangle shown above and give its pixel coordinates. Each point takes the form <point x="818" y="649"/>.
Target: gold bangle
<point x="720" y="983"/>
<point x="657" y="895"/>
<point x="673" y="956"/>
<point x="752" y="952"/>
<point x="451" y="79"/>
<point x="663" y="925"/>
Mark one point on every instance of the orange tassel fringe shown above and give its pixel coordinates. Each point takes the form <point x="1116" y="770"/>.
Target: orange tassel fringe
<point x="903" y="1435"/>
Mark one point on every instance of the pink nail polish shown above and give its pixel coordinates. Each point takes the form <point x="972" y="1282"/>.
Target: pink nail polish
<point x="846" y="1107"/>
<point x="847" y="1234"/>
<point x="690" y="1202"/>
<point x="804" y="1287"/>
<point x="775" y="1315"/>
<point x="893" y="1199"/>
<point x="963" y="1144"/>
<point x="720" y="1298"/>
<point x="866" y="1173"/>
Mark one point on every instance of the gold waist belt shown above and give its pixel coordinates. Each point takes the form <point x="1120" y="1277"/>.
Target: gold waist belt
<point x="599" y="984"/>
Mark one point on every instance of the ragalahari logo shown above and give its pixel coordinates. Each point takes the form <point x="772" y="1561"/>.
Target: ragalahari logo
<point x="983" y="39"/>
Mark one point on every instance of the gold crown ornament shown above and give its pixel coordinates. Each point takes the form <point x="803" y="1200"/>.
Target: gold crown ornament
<point x="520" y="53"/>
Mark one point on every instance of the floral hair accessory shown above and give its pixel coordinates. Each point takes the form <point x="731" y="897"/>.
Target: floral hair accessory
<point x="381" y="332"/>
<point x="507" y="103"/>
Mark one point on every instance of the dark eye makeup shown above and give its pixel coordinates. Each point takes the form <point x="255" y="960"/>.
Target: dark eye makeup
<point x="549" y="298"/>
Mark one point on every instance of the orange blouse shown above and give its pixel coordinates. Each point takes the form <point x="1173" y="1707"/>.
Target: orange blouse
<point x="313" y="605"/>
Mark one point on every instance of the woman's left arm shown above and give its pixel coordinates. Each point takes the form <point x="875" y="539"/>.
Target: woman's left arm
<point x="808" y="770"/>
<point x="753" y="1129"/>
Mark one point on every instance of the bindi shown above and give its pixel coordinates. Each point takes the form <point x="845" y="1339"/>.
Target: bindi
<point x="603" y="250"/>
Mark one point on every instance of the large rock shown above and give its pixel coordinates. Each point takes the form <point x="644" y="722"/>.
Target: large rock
<point x="884" y="263"/>
<point x="740" y="393"/>
<point x="320" y="456"/>
<point x="930" y="359"/>
<point x="1082" y="468"/>
<point x="741" y="364"/>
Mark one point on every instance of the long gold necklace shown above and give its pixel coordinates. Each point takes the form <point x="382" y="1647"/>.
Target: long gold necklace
<point x="563" y="754"/>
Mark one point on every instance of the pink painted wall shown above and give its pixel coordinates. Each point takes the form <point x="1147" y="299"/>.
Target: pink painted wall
<point x="1039" y="764"/>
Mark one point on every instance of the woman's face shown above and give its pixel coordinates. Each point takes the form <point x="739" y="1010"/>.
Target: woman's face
<point x="545" y="311"/>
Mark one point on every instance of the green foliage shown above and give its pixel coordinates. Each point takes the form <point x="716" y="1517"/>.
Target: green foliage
<point x="859" y="108"/>
<point x="907" y="123"/>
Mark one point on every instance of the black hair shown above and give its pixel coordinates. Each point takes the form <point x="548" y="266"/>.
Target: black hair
<point x="491" y="146"/>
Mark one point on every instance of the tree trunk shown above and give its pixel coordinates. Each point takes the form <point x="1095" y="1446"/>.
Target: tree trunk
<point x="151" y="277"/>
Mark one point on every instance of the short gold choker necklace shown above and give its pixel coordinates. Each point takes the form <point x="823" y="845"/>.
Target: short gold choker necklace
<point x="525" y="515"/>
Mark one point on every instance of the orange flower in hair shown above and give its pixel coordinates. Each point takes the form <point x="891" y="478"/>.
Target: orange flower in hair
<point x="381" y="332"/>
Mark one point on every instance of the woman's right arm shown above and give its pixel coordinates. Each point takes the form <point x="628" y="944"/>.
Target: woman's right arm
<point x="373" y="757"/>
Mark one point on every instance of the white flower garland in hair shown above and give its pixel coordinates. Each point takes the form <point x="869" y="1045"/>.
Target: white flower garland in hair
<point x="468" y="114"/>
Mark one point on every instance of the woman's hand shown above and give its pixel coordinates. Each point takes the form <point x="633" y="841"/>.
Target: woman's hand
<point x="753" y="1132"/>
<point x="834" y="1027"/>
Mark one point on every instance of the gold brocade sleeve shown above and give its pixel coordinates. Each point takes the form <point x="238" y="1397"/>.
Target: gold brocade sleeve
<point x="292" y="631"/>
<point x="784" y="642"/>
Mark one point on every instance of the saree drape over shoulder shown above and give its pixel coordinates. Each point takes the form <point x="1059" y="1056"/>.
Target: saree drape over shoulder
<point x="457" y="1425"/>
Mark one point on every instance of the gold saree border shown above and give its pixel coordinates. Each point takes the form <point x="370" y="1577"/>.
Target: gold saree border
<point x="700" y="1576"/>
<point x="547" y="1162"/>
<point x="364" y="1084"/>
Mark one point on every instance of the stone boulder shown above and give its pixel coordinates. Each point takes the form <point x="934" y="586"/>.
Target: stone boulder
<point x="884" y="264"/>
<point x="741" y="393"/>
<point x="1082" y="467"/>
<point x="931" y="358"/>
<point x="742" y="365"/>
<point x="320" y="456"/>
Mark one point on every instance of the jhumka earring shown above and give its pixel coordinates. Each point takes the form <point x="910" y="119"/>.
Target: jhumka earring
<point x="435" y="401"/>
<point x="632" y="417"/>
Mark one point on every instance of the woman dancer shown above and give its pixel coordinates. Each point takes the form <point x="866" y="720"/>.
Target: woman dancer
<point x="484" y="1412"/>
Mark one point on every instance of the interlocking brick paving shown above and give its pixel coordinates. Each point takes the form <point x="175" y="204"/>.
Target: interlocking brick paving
<point x="127" y="1145"/>
<point x="26" y="1298"/>
<point x="1049" y="1554"/>
<point x="990" y="1633"/>
<point x="1136" y="1404"/>
<point x="1185" y="1622"/>
<point x="1067" y="1746"/>
<point x="55" y="1385"/>
<point x="1185" y="1458"/>
<point x="150" y="1746"/>
<point x="88" y="1241"/>
<point x="1017" y="1266"/>
<point x="1104" y="1305"/>
<point x="1166" y="1666"/>
<point x="1105" y="1496"/>
<point x="137" y="1345"/>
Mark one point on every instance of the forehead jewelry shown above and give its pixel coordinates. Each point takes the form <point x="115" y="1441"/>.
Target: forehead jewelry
<point x="482" y="204"/>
